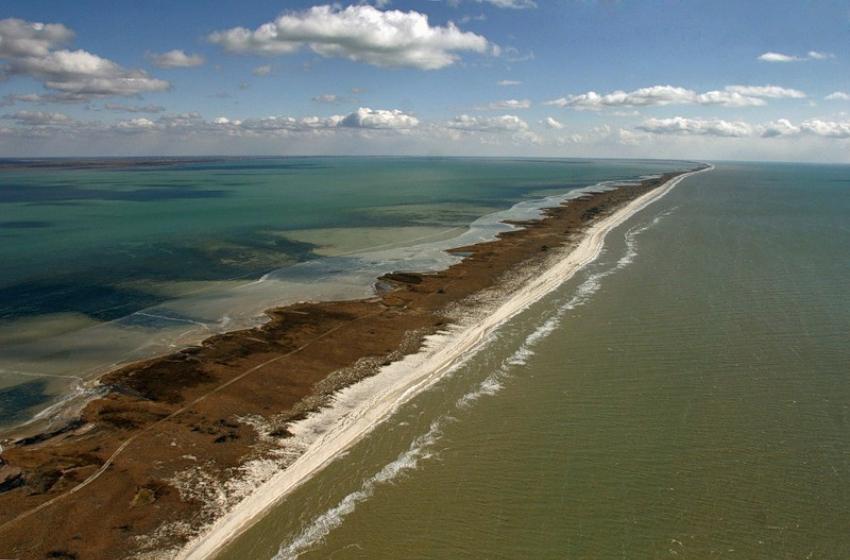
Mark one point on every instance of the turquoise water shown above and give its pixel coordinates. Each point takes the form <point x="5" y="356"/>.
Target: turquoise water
<point x="103" y="266"/>
<point x="686" y="396"/>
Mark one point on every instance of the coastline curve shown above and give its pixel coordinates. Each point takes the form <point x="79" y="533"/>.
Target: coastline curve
<point x="359" y="408"/>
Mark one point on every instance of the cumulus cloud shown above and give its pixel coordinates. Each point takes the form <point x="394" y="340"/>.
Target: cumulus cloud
<point x="771" y="56"/>
<point x="815" y="55"/>
<point x="491" y="131"/>
<point x="812" y="127"/>
<point x="696" y="127"/>
<point x="176" y="59"/>
<point x="42" y="98"/>
<point x="511" y="4"/>
<point x="779" y="128"/>
<point x="361" y="33"/>
<point x="363" y="118"/>
<point x="838" y="96"/>
<point x="652" y="96"/>
<point x="283" y="124"/>
<point x="553" y="123"/>
<point x="263" y="70"/>
<point x="379" y="118"/>
<point x="136" y="124"/>
<point x="23" y="39"/>
<point x="778" y="57"/>
<point x="828" y="129"/>
<point x="488" y="124"/>
<point x="504" y="83"/>
<point x="513" y="54"/>
<point x="595" y="135"/>
<point x="32" y="49"/>
<point x="327" y="98"/>
<point x="507" y="104"/>
<point x="192" y="124"/>
<point x="629" y="138"/>
<point x="335" y="99"/>
<point x="359" y="125"/>
<point x="660" y="95"/>
<point x="39" y="118"/>
<point x="773" y="92"/>
<point x="134" y="108"/>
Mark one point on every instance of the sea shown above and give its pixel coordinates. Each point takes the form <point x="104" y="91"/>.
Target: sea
<point x="106" y="262"/>
<point x="686" y="395"/>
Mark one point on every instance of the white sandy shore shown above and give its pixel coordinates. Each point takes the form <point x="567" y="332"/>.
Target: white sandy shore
<point x="359" y="408"/>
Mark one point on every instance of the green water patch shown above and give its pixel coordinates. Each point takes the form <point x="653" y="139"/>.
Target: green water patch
<point x="25" y="224"/>
<point x="105" y="292"/>
<point x="63" y="194"/>
<point x="16" y="401"/>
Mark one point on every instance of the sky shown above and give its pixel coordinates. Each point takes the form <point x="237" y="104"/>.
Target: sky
<point x="557" y="78"/>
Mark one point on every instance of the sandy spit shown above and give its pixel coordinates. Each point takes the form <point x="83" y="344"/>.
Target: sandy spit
<point x="359" y="408"/>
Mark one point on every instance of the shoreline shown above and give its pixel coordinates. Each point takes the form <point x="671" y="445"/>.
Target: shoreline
<point x="88" y="386"/>
<point x="423" y="369"/>
<point x="186" y="404"/>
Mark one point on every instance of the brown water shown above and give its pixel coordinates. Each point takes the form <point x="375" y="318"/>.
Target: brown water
<point x="687" y="396"/>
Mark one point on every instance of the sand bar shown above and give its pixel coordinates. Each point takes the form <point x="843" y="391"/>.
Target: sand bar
<point x="175" y="451"/>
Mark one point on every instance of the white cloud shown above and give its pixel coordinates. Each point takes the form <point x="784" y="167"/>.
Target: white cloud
<point x="512" y="4"/>
<point x="176" y="59"/>
<point x="327" y="98"/>
<point x="553" y="123"/>
<point x="773" y="92"/>
<point x="507" y="104"/>
<point x="363" y="119"/>
<point x="780" y="57"/>
<point x="513" y="54"/>
<point x="509" y="82"/>
<point x="527" y="137"/>
<point x="31" y="49"/>
<point x="39" y="118"/>
<point x="777" y="57"/>
<point x="379" y="118"/>
<point x="263" y="70"/>
<point x="23" y="39"/>
<point x="138" y="124"/>
<point x="813" y="127"/>
<point x="628" y="137"/>
<point x="368" y="131"/>
<point x="815" y="55"/>
<point x="360" y="123"/>
<point x="838" y="96"/>
<point x="361" y="33"/>
<point x="488" y="124"/>
<point x="134" y="108"/>
<point x="286" y="124"/>
<point x="696" y="127"/>
<point x="662" y="95"/>
<point x="781" y="127"/>
<point x="828" y="129"/>
<point x="595" y="135"/>
<point x="42" y="98"/>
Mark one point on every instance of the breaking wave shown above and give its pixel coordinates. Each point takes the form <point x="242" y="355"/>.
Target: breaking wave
<point x="422" y="447"/>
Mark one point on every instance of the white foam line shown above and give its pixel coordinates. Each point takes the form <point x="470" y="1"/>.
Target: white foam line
<point x="322" y="525"/>
<point x="358" y="408"/>
<point x="173" y="319"/>
<point x="493" y="383"/>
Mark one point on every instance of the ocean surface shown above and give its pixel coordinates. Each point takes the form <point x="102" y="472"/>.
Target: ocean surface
<point x="106" y="262"/>
<point x="685" y="396"/>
